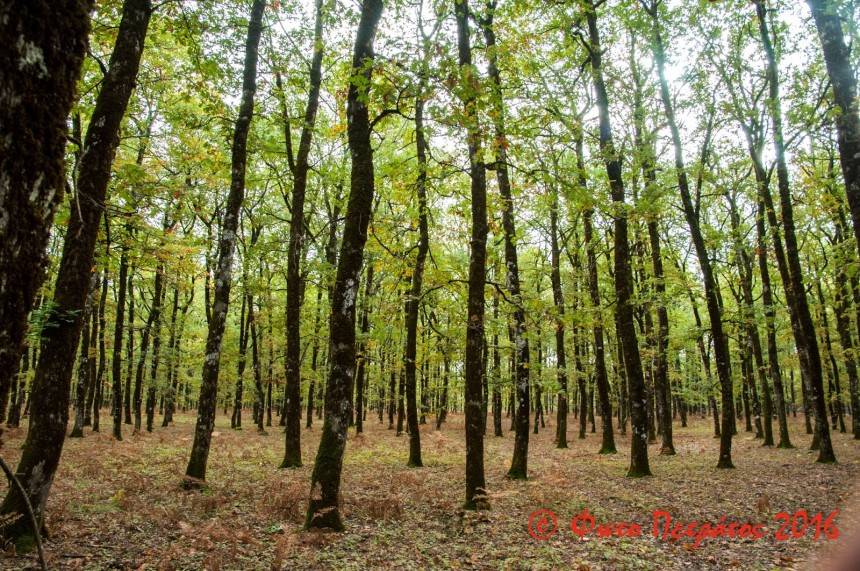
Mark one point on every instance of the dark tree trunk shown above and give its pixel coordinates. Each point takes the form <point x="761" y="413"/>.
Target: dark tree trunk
<point x="476" y="493"/>
<point x="157" y="304"/>
<point x="691" y="213"/>
<point x="558" y="301"/>
<point x="241" y="362"/>
<point x="259" y="395"/>
<point x="413" y="300"/>
<point x="361" y="352"/>
<point x="623" y="275"/>
<point x="795" y="286"/>
<point x="315" y="353"/>
<point x="324" y="504"/>
<point x="50" y="389"/>
<point x="94" y="399"/>
<point x="837" y="58"/>
<point x="37" y="96"/>
<point x="144" y="349"/>
<point x="85" y="379"/>
<point x="300" y="168"/>
<point x="196" y="470"/>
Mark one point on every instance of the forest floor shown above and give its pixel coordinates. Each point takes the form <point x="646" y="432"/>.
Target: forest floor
<point x="118" y="505"/>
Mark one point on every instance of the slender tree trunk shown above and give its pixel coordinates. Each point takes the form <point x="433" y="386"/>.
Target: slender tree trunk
<point x="361" y="352"/>
<point x="50" y="389"/>
<point x="196" y="470"/>
<point x="519" y="462"/>
<point x="300" y="168"/>
<point x="37" y="96"/>
<point x="558" y="301"/>
<point x="795" y="287"/>
<point x="721" y="348"/>
<point x="315" y="351"/>
<point x="84" y="378"/>
<point x="623" y="275"/>
<point x="413" y="300"/>
<point x="324" y="504"/>
<point x="157" y="304"/>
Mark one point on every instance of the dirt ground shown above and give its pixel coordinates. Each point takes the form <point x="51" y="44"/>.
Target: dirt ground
<point x="118" y="505"/>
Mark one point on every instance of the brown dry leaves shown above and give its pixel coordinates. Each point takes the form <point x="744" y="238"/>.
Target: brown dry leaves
<point x="118" y="505"/>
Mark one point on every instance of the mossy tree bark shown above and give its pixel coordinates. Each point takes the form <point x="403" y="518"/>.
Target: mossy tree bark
<point x="39" y="68"/>
<point x="49" y="397"/>
<point x="196" y="470"/>
<point x="324" y="503"/>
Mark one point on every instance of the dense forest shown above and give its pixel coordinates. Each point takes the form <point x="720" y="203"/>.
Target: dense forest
<point x="531" y="221"/>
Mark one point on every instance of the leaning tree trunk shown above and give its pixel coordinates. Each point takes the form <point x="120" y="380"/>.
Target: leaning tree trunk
<point x="196" y="470"/>
<point x="796" y="292"/>
<point x="837" y="58"/>
<point x="300" y="167"/>
<point x="519" y="462"/>
<point x="49" y="395"/>
<point x="623" y="275"/>
<point x="324" y="503"/>
<point x="39" y="69"/>
<point x="715" y="313"/>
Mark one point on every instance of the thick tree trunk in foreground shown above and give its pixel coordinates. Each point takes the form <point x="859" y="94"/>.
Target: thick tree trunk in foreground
<point x="476" y="496"/>
<point x="623" y="275"/>
<point x="196" y="470"/>
<point x="324" y="503"/>
<point x="39" y="68"/>
<point x="50" y="389"/>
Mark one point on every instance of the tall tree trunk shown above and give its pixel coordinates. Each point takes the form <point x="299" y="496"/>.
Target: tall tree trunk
<point x="519" y="462"/>
<point x="413" y="300"/>
<point x="300" y="168"/>
<point x="691" y="213"/>
<point x="558" y="301"/>
<point x="39" y="69"/>
<point x="324" y="504"/>
<point x="623" y="276"/>
<point x="50" y="389"/>
<point x="476" y="493"/>
<point x="196" y="470"/>
<point x="751" y="329"/>
<point x="129" y="351"/>
<point x="795" y="287"/>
